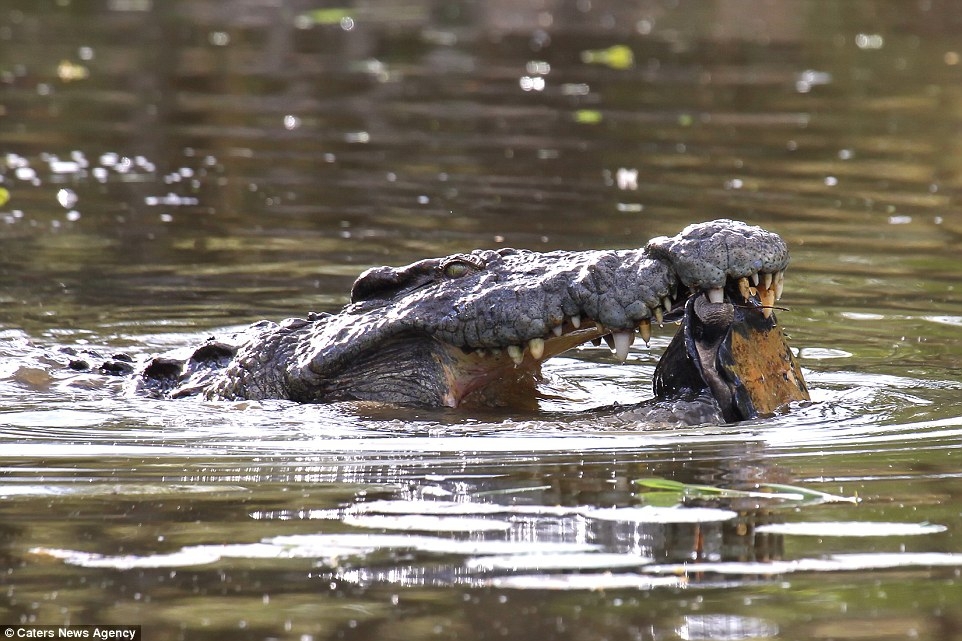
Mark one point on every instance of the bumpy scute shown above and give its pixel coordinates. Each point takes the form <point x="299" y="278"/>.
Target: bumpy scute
<point x="704" y="255"/>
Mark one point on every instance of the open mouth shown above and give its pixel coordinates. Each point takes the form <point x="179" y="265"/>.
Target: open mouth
<point x="728" y="343"/>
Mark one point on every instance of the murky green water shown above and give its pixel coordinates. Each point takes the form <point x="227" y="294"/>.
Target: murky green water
<point x="172" y="169"/>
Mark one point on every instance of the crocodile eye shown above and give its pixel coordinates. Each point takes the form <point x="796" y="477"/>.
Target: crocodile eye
<point x="459" y="267"/>
<point x="456" y="269"/>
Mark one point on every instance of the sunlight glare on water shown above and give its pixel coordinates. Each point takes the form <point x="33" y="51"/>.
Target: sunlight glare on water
<point x="172" y="171"/>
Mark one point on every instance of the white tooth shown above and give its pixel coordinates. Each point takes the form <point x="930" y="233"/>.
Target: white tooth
<point x="666" y="302"/>
<point x="744" y="288"/>
<point x="779" y="284"/>
<point x="536" y="347"/>
<point x="496" y="351"/>
<point x="659" y="315"/>
<point x="716" y="295"/>
<point x="516" y="354"/>
<point x="754" y="278"/>
<point x="766" y="281"/>
<point x="623" y="341"/>
<point x="576" y="321"/>
<point x="644" y="328"/>
<point x="557" y="330"/>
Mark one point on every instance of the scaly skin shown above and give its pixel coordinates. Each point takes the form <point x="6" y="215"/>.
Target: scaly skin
<point x="443" y="330"/>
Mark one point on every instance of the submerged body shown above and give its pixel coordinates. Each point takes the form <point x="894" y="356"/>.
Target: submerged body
<point x="474" y="328"/>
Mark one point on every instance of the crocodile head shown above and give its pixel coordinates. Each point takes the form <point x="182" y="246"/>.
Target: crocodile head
<point x="474" y="328"/>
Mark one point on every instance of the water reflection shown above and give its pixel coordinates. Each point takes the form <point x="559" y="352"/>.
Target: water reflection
<point x="226" y="162"/>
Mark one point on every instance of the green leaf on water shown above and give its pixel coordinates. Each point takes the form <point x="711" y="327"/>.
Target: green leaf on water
<point x="588" y="116"/>
<point x="811" y="495"/>
<point x="667" y="492"/>
<point x="616" y="57"/>
<point x="4" y="196"/>
<point x="324" y="16"/>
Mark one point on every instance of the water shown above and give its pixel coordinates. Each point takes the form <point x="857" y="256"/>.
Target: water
<point x="172" y="170"/>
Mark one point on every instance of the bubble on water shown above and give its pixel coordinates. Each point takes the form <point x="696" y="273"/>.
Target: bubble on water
<point x="25" y="173"/>
<point x="14" y="161"/>
<point x="99" y="174"/>
<point x="532" y="83"/>
<point x="291" y="122"/>
<point x="219" y="38"/>
<point x="73" y="215"/>
<point x="170" y="200"/>
<point x="64" y="167"/>
<point x="357" y="137"/>
<point x="109" y="159"/>
<point x="626" y="179"/>
<point x="869" y="41"/>
<point x="67" y="198"/>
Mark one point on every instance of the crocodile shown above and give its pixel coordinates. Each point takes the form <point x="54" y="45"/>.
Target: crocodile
<point x="472" y="329"/>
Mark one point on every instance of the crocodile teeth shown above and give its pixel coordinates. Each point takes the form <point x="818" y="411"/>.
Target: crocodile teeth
<point x="767" y="297"/>
<point x="779" y="284"/>
<point x="516" y="354"/>
<point x="666" y="302"/>
<point x="644" y="328"/>
<point x="754" y="278"/>
<point x="716" y="295"/>
<point x="623" y="341"/>
<point x="536" y="347"/>
<point x="557" y="330"/>
<point x="576" y="321"/>
<point x="766" y="294"/>
<point x="659" y="315"/>
<point x="744" y="288"/>
<point x="766" y="281"/>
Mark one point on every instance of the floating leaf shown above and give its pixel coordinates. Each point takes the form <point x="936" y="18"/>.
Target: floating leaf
<point x="664" y="488"/>
<point x="324" y="16"/>
<point x="616" y="57"/>
<point x="810" y="495"/>
<point x="588" y="116"/>
<point x="4" y="196"/>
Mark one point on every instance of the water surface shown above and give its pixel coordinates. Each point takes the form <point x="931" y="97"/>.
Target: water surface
<point x="172" y="170"/>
